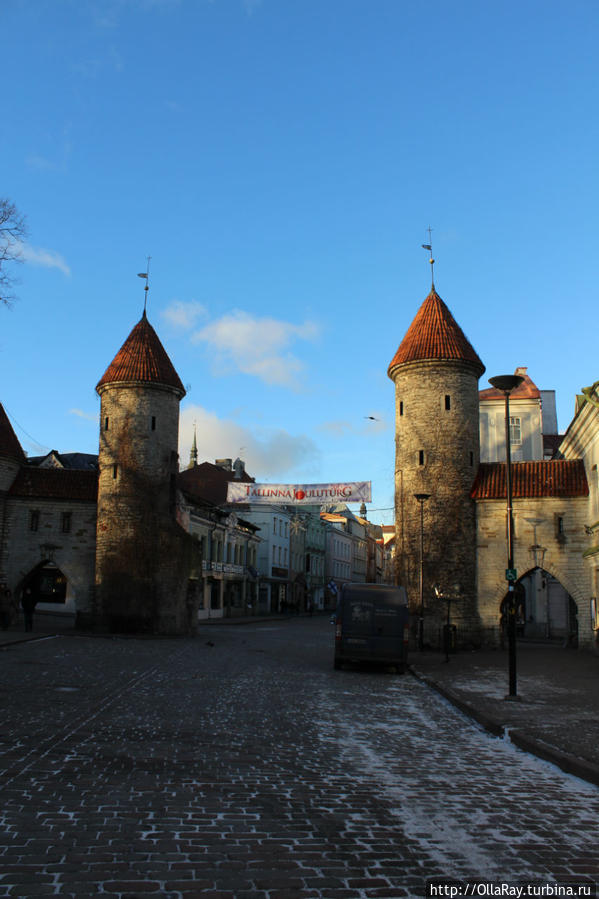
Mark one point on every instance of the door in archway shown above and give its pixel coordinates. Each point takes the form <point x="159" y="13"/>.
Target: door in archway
<point x="548" y="612"/>
<point x="48" y="583"/>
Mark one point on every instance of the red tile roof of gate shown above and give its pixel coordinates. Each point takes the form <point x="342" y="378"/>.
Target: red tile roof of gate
<point x="555" y="477"/>
<point x="435" y="335"/>
<point x="56" y="483"/>
<point x="142" y="358"/>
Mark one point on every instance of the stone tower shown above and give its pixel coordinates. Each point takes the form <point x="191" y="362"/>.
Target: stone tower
<point x="436" y="372"/>
<point x="12" y="458"/>
<point x="139" y="556"/>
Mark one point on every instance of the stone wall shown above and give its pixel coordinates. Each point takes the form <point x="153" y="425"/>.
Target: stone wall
<point x="8" y="472"/>
<point x="559" y="552"/>
<point x="73" y="552"/>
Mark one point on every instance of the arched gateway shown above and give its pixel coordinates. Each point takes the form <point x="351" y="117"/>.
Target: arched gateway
<point x="545" y="611"/>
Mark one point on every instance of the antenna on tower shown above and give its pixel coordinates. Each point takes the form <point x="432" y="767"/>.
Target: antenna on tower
<point x="145" y="275"/>
<point x="429" y="246"/>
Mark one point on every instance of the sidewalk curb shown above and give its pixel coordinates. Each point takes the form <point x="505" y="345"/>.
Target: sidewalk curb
<point x="209" y="622"/>
<point x="568" y="763"/>
<point x="21" y="640"/>
<point x="571" y="764"/>
<point x="489" y="724"/>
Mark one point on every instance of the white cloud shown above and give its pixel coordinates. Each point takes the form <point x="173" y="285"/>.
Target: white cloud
<point x="268" y="453"/>
<point x="257" y="346"/>
<point x="45" y="258"/>
<point x="183" y="315"/>
<point x="86" y="415"/>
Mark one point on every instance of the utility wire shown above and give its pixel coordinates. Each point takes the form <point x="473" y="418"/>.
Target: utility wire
<point x="21" y="428"/>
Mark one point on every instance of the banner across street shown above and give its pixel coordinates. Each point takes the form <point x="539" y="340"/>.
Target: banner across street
<point x="300" y="494"/>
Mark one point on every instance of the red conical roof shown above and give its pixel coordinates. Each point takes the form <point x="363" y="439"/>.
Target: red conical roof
<point x="435" y="335"/>
<point x="142" y="358"/>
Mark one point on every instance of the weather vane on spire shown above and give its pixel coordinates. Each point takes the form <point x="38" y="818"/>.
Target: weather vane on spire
<point x="145" y="275"/>
<point x="429" y="246"/>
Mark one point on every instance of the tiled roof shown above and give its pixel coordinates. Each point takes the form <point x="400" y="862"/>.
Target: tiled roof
<point x="54" y="459"/>
<point x="56" y="483"/>
<point x="142" y="358"/>
<point x="554" y="477"/>
<point x="9" y="444"/>
<point x="527" y="390"/>
<point x="209" y="482"/>
<point x="435" y="335"/>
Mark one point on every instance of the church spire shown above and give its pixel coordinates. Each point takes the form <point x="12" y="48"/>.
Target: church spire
<point x="193" y="455"/>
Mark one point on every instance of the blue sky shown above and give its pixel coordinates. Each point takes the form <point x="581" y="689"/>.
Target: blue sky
<point x="280" y="161"/>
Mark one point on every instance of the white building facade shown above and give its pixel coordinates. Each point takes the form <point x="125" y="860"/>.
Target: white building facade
<point x="532" y="417"/>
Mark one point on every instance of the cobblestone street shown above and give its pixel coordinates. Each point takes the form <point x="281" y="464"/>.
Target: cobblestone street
<point x="239" y="764"/>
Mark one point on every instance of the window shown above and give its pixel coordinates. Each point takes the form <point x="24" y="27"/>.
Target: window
<point x="153" y="422"/>
<point x="274" y="526"/>
<point x="471" y="458"/>
<point x="106" y="423"/>
<point x="515" y="431"/>
<point x="66" y="522"/>
<point x="421" y="457"/>
<point x="115" y="471"/>
<point x="401" y="407"/>
<point x="447" y="402"/>
<point x="34" y="520"/>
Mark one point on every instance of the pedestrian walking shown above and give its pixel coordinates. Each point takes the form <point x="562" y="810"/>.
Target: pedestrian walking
<point x="503" y="610"/>
<point x="28" y="602"/>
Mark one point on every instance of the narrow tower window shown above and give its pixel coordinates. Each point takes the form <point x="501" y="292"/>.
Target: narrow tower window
<point x="471" y="458"/>
<point x="106" y="423"/>
<point x="34" y="520"/>
<point x="421" y="457"/>
<point x="66" y="522"/>
<point x="115" y="471"/>
<point x="153" y="422"/>
<point x="447" y="402"/>
<point x="401" y="407"/>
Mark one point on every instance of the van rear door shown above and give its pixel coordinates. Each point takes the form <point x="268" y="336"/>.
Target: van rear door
<point x="389" y="622"/>
<point x="358" y="627"/>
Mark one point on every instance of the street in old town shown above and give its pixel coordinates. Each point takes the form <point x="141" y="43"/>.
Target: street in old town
<point x="239" y="764"/>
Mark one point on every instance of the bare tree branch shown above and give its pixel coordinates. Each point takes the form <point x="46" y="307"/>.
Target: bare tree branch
<point x="13" y="231"/>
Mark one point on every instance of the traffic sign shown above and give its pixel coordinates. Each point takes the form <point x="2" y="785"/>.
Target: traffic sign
<point x="511" y="574"/>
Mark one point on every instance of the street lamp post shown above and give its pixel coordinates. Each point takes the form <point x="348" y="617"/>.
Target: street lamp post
<point x="507" y="383"/>
<point x="422" y="498"/>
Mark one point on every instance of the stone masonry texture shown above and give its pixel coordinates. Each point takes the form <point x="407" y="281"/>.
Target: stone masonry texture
<point x="437" y="452"/>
